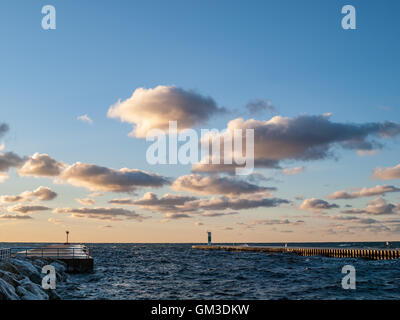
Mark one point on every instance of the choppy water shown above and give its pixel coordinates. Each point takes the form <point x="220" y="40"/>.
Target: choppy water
<point x="176" y="271"/>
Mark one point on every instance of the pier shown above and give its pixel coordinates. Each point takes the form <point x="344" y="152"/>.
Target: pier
<point x="77" y="257"/>
<point x="371" y="254"/>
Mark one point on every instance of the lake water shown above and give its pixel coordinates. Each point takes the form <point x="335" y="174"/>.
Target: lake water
<point x="176" y="271"/>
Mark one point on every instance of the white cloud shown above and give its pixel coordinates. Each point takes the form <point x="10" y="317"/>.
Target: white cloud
<point x="85" y="118"/>
<point x="150" y="109"/>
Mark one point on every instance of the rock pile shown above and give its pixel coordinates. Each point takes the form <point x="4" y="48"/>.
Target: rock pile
<point x="21" y="278"/>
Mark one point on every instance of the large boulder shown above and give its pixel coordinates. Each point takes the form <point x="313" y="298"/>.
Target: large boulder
<point x="31" y="291"/>
<point x="9" y="267"/>
<point x="7" y="291"/>
<point x="10" y="278"/>
<point x="28" y="269"/>
<point x="21" y="278"/>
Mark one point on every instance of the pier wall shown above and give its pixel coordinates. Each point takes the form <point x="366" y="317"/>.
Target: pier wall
<point x="372" y="254"/>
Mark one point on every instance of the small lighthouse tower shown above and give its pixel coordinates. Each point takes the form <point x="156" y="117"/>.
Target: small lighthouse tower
<point x="67" y="233"/>
<point x="209" y="238"/>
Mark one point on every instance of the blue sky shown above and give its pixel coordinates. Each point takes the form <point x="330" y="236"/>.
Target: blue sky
<point x="292" y="53"/>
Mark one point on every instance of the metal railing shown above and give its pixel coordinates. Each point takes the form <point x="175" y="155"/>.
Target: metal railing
<point x="5" y="253"/>
<point x="77" y="252"/>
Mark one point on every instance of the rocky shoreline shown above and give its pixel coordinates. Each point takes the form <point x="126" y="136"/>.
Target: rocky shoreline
<point x="21" y="279"/>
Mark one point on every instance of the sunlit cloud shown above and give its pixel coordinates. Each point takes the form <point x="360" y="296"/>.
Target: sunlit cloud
<point x="112" y="214"/>
<point x="377" y="206"/>
<point x="27" y="208"/>
<point x="304" y="138"/>
<point x="387" y="173"/>
<point x="15" y="217"/>
<point x="318" y="205"/>
<point x="41" y="193"/>
<point x="150" y="109"/>
<point x="364" y="192"/>
<point x="41" y="165"/>
<point x="97" y="178"/>
<point x="211" y="185"/>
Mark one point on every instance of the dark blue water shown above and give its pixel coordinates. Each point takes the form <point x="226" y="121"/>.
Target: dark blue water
<point x="176" y="271"/>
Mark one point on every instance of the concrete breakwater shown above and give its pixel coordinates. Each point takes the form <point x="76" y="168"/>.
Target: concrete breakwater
<point x="21" y="278"/>
<point x="372" y="254"/>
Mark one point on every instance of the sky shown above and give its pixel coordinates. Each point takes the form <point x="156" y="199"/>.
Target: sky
<point x="77" y="102"/>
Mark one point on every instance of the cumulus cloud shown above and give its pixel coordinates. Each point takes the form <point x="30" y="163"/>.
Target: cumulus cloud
<point x="224" y="203"/>
<point x="112" y="214"/>
<point x="356" y="219"/>
<point x="15" y="217"/>
<point x="27" y="208"/>
<point x="41" y="165"/>
<point x="293" y="171"/>
<point x="209" y="185"/>
<point x="314" y="204"/>
<point x="85" y="118"/>
<point x="97" y="178"/>
<point x="387" y="173"/>
<point x="41" y="193"/>
<point x="179" y="203"/>
<point x="377" y="206"/>
<point x="304" y="138"/>
<point x="150" y="201"/>
<point x="364" y="192"/>
<point x="150" y="109"/>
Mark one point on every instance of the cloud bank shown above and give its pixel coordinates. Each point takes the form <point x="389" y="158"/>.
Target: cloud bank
<point x="211" y="185"/>
<point x="304" y="138"/>
<point x="97" y="178"/>
<point x="112" y="214"/>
